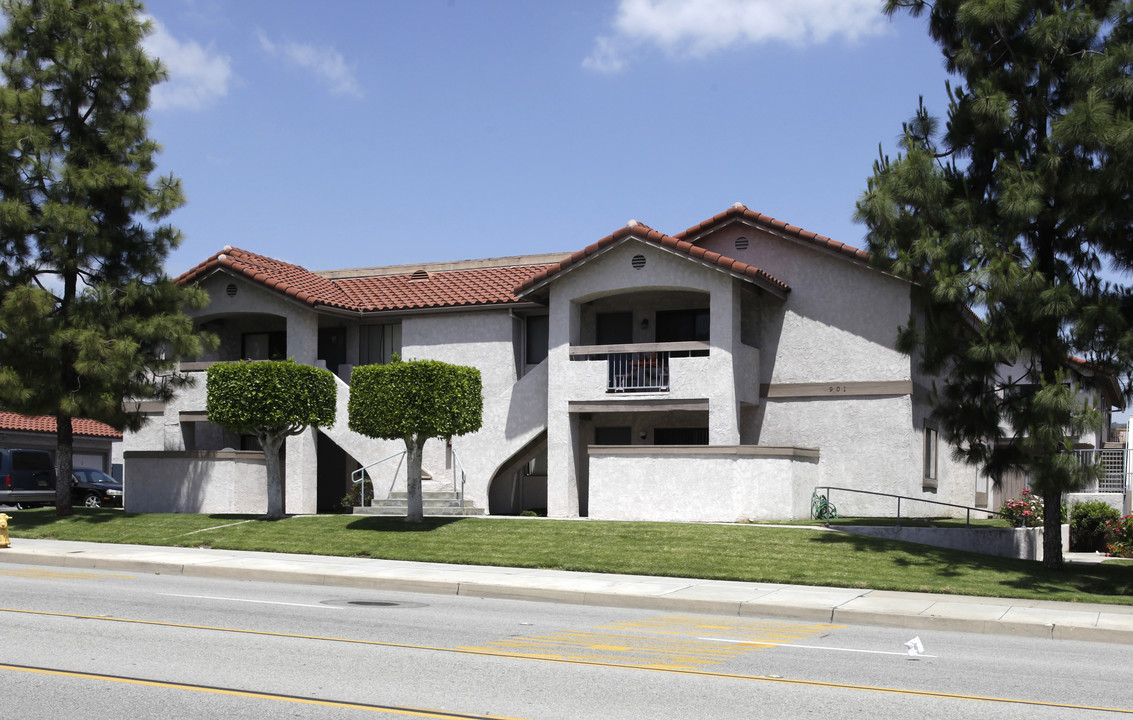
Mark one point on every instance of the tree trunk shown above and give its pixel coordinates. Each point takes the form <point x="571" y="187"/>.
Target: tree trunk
<point x="272" y="445"/>
<point x="413" y="450"/>
<point x="64" y="464"/>
<point x="1052" y="530"/>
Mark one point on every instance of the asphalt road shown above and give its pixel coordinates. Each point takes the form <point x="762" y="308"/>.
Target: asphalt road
<point x="104" y="644"/>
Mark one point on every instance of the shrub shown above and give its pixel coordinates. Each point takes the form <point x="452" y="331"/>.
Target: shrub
<point x="1087" y="525"/>
<point x="1026" y="511"/>
<point x="1119" y="537"/>
<point x="351" y="499"/>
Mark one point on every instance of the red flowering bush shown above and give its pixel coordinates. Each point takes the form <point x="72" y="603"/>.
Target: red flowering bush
<point x="1027" y="511"/>
<point x="1119" y="537"/>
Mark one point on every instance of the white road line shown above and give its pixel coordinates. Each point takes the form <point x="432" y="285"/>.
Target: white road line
<point x="262" y="602"/>
<point x="811" y="647"/>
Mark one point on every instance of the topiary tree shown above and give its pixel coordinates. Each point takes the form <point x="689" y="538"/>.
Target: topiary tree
<point x="415" y="400"/>
<point x="271" y="400"/>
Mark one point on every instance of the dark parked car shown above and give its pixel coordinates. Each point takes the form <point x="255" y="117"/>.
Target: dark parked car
<point x="95" y="488"/>
<point x="27" y="478"/>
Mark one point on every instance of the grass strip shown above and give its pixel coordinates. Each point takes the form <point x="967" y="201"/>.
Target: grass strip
<point x="746" y="553"/>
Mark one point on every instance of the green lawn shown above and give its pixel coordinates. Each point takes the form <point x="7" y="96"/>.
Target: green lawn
<point x="725" y="552"/>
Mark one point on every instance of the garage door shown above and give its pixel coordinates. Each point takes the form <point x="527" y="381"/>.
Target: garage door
<point x="87" y="460"/>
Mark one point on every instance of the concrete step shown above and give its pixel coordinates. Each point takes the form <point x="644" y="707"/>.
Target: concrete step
<point x="392" y="511"/>
<point x="446" y="503"/>
<point x="425" y="495"/>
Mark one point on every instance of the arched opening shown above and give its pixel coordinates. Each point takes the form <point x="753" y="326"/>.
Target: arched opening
<point x="521" y="482"/>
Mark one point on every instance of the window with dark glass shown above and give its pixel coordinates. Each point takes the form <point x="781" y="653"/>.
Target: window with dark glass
<point x="614" y="328"/>
<point x="537" y="338"/>
<point x="613" y="436"/>
<point x="264" y="346"/>
<point x="377" y="344"/>
<point x="680" y="436"/>
<point x="682" y="325"/>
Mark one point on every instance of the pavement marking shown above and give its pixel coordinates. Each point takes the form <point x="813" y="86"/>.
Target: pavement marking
<point x="262" y="602"/>
<point x="591" y="662"/>
<point x="673" y="641"/>
<point x="59" y="575"/>
<point x="818" y="647"/>
<point x="388" y="709"/>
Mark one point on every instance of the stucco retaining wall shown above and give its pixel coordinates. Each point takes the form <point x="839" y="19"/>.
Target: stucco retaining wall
<point x="226" y="481"/>
<point x="1116" y="501"/>
<point x="1022" y="543"/>
<point x="702" y="483"/>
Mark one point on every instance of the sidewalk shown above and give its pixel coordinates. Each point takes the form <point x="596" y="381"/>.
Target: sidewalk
<point x="922" y="611"/>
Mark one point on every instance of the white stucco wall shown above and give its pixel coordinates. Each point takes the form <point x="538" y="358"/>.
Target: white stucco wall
<point x="705" y="484"/>
<point x="195" y="482"/>
<point x="514" y="412"/>
<point x="840" y="320"/>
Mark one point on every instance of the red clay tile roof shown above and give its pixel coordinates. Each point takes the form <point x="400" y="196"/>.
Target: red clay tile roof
<point x="46" y="424"/>
<point x="484" y="286"/>
<point x="406" y="291"/>
<point x="292" y="280"/>
<point x="648" y="234"/>
<point x="739" y="210"/>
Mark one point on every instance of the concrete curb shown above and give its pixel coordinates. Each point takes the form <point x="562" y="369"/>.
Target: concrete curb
<point x="919" y="611"/>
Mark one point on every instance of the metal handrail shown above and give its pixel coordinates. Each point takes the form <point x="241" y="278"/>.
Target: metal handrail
<point x="359" y="475"/>
<point x="463" y="474"/>
<point x="968" y="508"/>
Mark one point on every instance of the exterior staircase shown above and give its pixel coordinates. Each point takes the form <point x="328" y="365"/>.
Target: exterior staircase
<point x="434" y="503"/>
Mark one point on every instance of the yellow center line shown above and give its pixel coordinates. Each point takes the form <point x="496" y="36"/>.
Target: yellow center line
<point x="389" y="709"/>
<point x="591" y="663"/>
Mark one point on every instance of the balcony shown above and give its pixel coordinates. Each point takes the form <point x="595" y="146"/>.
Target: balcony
<point x="640" y="367"/>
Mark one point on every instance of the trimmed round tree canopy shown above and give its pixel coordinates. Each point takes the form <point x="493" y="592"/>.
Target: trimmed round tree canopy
<point x="424" y="398"/>
<point x="250" y="397"/>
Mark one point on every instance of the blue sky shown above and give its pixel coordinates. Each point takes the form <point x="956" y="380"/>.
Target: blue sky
<point x="351" y="133"/>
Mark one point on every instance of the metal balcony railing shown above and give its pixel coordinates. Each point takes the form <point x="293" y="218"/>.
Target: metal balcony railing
<point x="637" y="372"/>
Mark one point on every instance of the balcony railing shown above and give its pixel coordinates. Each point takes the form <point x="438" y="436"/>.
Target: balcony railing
<point x="637" y="372"/>
<point x="638" y="367"/>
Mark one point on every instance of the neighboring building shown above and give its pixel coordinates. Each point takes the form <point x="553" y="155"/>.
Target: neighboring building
<point x="722" y="373"/>
<point x="92" y="443"/>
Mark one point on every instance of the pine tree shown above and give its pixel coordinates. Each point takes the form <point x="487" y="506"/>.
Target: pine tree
<point x="1005" y="219"/>
<point x="88" y="317"/>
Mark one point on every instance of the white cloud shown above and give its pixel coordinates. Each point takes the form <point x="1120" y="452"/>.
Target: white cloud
<point x="695" y="28"/>
<point x="327" y="63"/>
<point x="197" y="75"/>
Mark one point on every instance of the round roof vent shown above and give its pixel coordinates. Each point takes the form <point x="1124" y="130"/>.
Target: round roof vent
<point x="231" y="290"/>
<point x="742" y="243"/>
<point x="638" y="262"/>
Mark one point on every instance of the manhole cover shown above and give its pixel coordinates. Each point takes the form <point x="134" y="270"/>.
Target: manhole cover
<point x="370" y="603"/>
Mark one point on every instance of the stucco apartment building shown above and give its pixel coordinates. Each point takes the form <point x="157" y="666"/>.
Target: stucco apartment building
<point x="718" y="374"/>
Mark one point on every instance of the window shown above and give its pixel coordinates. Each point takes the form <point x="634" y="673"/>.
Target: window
<point x="680" y="436"/>
<point x="264" y="346"/>
<point x="931" y="442"/>
<point x="536" y="338"/>
<point x="613" y="436"/>
<point x="377" y="344"/>
<point x="614" y="328"/>
<point x="682" y="325"/>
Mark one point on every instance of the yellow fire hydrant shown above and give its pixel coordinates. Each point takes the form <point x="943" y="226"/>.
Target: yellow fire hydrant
<point x="4" y="541"/>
